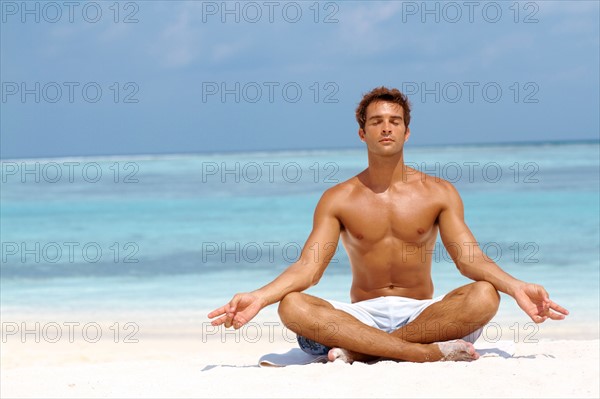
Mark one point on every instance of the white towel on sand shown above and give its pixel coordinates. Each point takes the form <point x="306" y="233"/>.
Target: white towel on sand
<point x="297" y="357"/>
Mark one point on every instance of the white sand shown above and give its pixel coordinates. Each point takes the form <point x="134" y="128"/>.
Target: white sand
<point x="179" y="362"/>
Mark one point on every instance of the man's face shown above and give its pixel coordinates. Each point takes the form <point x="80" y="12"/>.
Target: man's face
<point x="384" y="132"/>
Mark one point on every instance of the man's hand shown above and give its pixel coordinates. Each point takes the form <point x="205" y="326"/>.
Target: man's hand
<point x="535" y="301"/>
<point x="239" y="311"/>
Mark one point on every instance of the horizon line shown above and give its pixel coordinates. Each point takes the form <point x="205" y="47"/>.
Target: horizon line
<point x="301" y="150"/>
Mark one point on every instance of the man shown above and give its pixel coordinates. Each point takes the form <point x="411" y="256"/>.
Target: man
<point x="388" y="217"/>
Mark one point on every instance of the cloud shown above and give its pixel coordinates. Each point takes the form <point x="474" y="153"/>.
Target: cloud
<point x="507" y="45"/>
<point x="567" y="8"/>
<point x="187" y="40"/>
<point x="366" y="20"/>
<point x="224" y="51"/>
<point x="571" y="18"/>
<point x="363" y="28"/>
<point x="178" y="43"/>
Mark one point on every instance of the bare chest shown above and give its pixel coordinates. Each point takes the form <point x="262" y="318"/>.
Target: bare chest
<point x="373" y="218"/>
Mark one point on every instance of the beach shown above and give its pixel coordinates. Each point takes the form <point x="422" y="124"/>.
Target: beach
<point x="159" y="157"/>
<point x="183" y="362"/>
<point x="106" y="285"/>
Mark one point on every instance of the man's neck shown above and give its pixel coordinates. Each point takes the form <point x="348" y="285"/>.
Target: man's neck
<point x="383" y="172"/>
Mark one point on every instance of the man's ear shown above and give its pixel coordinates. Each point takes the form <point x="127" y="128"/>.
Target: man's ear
<point x="407" y="134"/>
<point x="361" y="134"/>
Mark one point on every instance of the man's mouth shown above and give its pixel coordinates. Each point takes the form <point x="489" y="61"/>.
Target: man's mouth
<point x="386" y="140"/>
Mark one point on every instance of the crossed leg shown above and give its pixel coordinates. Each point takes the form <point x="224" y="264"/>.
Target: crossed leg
<point x="461" y="312"/>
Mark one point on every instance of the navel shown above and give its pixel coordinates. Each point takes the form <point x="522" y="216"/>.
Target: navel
<point x="420" y="230"/>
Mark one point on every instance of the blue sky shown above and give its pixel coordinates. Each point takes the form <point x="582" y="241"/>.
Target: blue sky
<point x="146" y="77"/>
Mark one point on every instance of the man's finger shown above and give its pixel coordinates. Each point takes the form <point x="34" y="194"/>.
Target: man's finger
<point x="229" y="319"/>
<point x="238" y="322"/>
<point x="218" y="322"/>
<point x="558" y="308"/>
<point x="556" y="316"/>
<point x="231" y="310"/>
<point x="217" y="312"/>
<point x="538" y="319"/>
<point x="244" y="317"/>
<point x="234" y="302"/>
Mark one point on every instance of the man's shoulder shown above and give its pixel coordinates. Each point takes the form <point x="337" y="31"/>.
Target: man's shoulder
<point x="344" y="188"/>
<point x="342" y="194"/>
<point x="335" y="197"/>
<point x="431" y="182"/>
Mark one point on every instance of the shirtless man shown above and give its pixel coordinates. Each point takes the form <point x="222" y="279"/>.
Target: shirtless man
<point x="388" y="217"/>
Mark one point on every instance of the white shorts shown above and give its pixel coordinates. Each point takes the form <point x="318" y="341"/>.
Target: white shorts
<point x="387" y="313"/>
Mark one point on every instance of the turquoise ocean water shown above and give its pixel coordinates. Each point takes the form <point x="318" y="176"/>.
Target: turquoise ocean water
<point x="188" y="231"/>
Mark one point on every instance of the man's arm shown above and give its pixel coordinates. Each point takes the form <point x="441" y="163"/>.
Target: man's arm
<point x="474" y="264"/>
<point x="304" y="273"/>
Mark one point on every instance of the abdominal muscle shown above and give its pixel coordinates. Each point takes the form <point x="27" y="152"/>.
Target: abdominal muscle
<point x="388" y="271"/>
<point x="386" y="287"/>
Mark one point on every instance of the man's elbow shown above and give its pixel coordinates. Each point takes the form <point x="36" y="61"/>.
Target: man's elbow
<point x="463" y="268"/>
<point x="472" y="269"/>
<point x="309" y="273"/>
<point x="314" y="281"/>
<point x="316" y="277"/>
<point x="306" y="279"/>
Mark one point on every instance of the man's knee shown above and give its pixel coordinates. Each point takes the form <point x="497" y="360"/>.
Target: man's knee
<point x="291" y="304"/>
<point x="481" y="295"/>
<point x="483" y="289"/>
<point x="298" y="305"/>
<point x="485" y="295"/>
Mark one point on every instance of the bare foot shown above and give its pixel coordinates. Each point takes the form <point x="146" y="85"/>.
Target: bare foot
<point x="341" y="354"/>
<point x="457" y="351"/>
<point x="348" y="356"/>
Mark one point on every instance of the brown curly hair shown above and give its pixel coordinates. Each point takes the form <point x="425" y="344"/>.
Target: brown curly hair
<point x="382" y="94"/>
